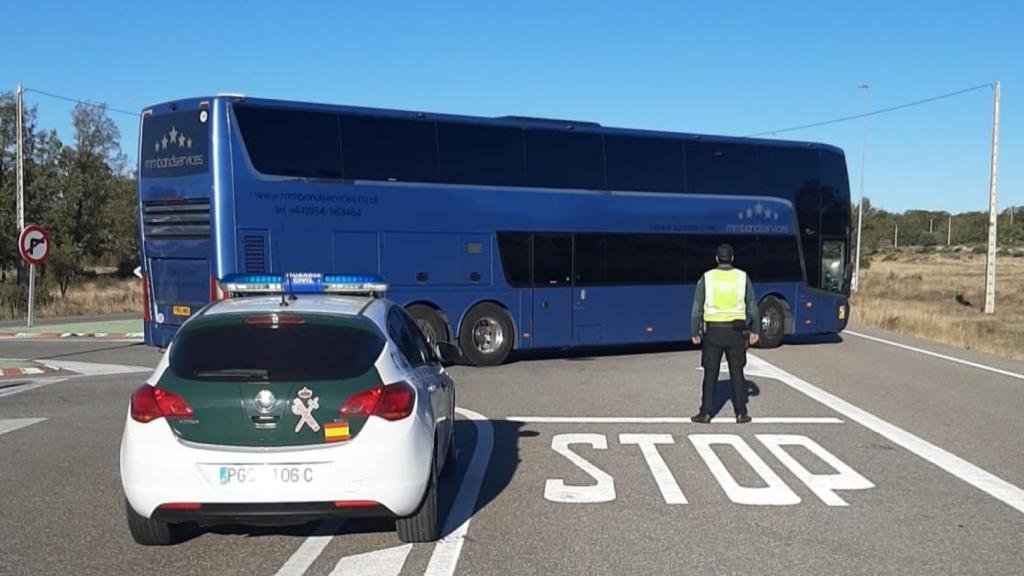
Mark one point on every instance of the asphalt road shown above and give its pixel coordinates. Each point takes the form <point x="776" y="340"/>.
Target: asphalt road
<point x="875" y="459"/>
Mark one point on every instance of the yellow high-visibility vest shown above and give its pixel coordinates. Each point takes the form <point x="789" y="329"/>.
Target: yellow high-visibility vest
<point x="725" y="295"/>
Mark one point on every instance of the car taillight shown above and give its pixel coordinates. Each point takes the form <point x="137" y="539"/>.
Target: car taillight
<point x="146" y="314"/>
<point x="150" y="403"/>
<point x="391" y="402"/>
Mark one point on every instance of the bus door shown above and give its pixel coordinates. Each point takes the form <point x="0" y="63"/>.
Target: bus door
<point x="552" y="290"/>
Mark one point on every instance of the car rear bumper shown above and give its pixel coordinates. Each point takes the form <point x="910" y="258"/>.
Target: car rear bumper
<point x="383" y="471"/>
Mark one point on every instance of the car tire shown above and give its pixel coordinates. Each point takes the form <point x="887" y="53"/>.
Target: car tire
<point x="430" y="323"/>
<point x="423" y="525"/>
<point x="150" y="532"/>
<point x="486" y="335"/>
<point x="772" y="317"/>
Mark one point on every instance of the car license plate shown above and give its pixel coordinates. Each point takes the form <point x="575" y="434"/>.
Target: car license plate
<point x="266" y="475"/>
<point x="180" y="310"/>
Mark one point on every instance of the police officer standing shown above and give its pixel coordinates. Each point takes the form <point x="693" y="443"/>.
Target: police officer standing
<point x="724" y="313"/>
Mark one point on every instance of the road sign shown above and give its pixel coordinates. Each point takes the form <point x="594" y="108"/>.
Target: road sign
<point x="34" y="245"/>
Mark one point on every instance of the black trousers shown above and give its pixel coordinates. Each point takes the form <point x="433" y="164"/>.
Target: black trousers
<point x="724" y="339"/>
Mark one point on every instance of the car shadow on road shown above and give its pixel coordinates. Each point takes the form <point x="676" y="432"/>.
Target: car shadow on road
<point x="501" y="467"/>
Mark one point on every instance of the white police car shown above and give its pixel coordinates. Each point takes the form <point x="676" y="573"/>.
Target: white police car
<point x="290" y="407"/>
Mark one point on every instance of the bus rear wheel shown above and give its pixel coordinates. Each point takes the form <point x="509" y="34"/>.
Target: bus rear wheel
<point x="430" y="322"/>
<point x="772" y="316"/>
<point x="486" y="335"/>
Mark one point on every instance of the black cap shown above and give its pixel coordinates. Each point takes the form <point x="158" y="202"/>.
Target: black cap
<point x="723" y="253"/>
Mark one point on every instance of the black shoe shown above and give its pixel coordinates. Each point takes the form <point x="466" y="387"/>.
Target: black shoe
<point x="701" y="418"/>
<point x="743" y="418"/>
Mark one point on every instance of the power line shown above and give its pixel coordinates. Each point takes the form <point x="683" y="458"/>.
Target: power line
<point x="875" y="112"/>
<point x="82" y="102"/>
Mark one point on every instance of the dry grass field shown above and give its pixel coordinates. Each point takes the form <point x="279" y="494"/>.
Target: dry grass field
<point x="916" y="293"/>
<point x="86" y="297"/>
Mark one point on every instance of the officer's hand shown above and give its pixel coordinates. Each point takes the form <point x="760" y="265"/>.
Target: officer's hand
<point x="754" y="338"/>
<point x="695" y="340"/>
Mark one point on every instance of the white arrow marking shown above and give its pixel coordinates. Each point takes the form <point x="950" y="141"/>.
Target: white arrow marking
<point x="12" y="424"/>
<point x="387" y="562"/>
<point x="447" y="551"/>
<point x="310" y="549"/>
<point x="94" y="369"/>
<point x="36" y="383"/>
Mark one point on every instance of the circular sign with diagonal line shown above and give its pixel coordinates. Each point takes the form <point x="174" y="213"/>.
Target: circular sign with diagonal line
<point x="34" y="245"/>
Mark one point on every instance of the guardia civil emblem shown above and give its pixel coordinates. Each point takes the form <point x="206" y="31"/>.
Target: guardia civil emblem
<point x="303" y="407"/>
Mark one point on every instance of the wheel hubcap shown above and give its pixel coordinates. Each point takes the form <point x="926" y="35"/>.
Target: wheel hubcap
<point x="771" y="322"/>
<point x="488" y="335"/>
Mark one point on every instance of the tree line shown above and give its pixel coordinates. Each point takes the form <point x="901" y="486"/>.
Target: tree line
<point x="934" y="228"/>
<point x="83" y="192"/>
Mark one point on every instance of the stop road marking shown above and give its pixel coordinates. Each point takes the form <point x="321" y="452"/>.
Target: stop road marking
<point x="775" y="492"/>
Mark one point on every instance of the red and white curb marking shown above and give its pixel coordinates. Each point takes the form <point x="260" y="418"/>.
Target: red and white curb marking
<point x="59" y="335"/>
<point x="28" y="371"/>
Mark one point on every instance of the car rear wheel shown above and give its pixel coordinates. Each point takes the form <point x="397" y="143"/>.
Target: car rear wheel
<point x="486" y="335"/>
<point x="429" y="322"/>
<point x="150" y="532"/>
<point x="423" y="525"/>
<point x="772" y="316"/>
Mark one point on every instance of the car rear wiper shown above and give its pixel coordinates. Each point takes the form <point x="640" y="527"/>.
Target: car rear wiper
<point x="233" y="374"/>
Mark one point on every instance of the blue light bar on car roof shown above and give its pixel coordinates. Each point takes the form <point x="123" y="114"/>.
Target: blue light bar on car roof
<point x="303" y="283"/>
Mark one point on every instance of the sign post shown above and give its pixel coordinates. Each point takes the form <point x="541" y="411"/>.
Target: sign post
<point x="34" y="246"/>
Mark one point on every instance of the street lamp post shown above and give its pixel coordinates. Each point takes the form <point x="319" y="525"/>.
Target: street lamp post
<point x="860" y="207"/>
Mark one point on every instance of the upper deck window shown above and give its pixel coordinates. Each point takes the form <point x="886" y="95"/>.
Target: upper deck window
<point x="478" y="154"/>
<point x="377" y="148"/>
<point x="644" y="164"/>
<point x="298" y="143"/>
<point x="563" y="159"/>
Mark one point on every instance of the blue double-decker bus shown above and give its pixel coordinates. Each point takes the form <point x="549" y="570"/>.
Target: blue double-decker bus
<point x="496" y="233"/>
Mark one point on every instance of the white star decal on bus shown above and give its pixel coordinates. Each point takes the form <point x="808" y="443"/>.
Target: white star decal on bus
<point x="750" y="213"/>
<point x="181" y="141"/>
<point x="188" y="143"/>
<point x="157" y="147"/>
<point x="164" y="143"/>
<point x="758" y="208"/>
<point x="173" y="133"/>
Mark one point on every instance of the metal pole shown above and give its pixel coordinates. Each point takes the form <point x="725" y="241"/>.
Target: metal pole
<point x="896" y="237"/>
<point x="990" y="261"/>
<point x="31" y="294"/>
<point x="21" y="161"/>
<point x="931" y="221"/>
<point x="860" y="206"/>
<point x="949" y="230"/>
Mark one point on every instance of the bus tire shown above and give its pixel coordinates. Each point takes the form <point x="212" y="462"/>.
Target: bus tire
<point x="430" y="322"/>
<point x="772" y="317"/>
<point x="486" y="335"/>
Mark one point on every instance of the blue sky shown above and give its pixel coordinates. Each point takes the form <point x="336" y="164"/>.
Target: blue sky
<point x="715" y="67"/>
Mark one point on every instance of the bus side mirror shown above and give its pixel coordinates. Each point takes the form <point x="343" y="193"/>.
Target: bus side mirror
<point x="447" y="353"/>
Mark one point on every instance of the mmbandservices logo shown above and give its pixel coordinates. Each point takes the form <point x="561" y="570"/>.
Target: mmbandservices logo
<point x="173" y="149"/>
<point x="758" y="218"/>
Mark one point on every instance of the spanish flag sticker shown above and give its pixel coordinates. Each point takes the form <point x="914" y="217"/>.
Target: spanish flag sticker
<point x="336" y="431"/>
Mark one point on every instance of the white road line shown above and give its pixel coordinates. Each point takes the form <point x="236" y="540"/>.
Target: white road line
<point x="936" y="355"/>
<point x="668" y="420"/>
<point x="447" y="551"/>
<point x="12" y="424"/>
<point x="96" y="369"/>
<point x="973" y="475"/>
<point x="310" y="549"/>
<point x="35" y="383"/>
<point x="386" y="562"/>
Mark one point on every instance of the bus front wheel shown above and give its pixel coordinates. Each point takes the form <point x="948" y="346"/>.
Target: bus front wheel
<point x="486" y="335"/>
<point x="430" y="323"/>
<point x="773" y="322"/>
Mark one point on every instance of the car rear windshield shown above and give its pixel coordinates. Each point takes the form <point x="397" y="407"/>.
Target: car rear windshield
<point x="255" y="348"/>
